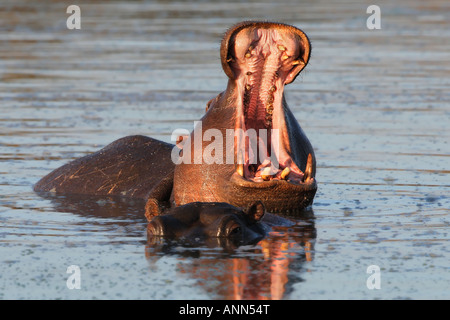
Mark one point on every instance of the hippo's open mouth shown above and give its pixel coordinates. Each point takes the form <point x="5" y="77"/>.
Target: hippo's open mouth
<point x="262" y="60"/>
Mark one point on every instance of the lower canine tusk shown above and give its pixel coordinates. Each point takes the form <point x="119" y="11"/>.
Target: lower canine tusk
<point x="308" y="170"/>
<point x="240" y="169"/>
<point x="285" y="173"/>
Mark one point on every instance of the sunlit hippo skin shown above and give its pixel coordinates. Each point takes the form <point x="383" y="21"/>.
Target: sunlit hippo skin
<point x="203" y="220"/>
<point x="259" y="58"/>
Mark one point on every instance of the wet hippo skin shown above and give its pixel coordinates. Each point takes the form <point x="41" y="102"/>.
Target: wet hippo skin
<point x="200" y="220"/>
<point x="129" y="167"/>
<point x="259" y="58"/>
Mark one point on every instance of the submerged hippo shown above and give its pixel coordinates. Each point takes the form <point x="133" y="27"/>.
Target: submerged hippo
<point x="199" y="220"/>
<point x="259" y="58"/>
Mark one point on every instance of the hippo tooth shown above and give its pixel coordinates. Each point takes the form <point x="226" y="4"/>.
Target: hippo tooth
<point x="266" y="174"/>
<point x="281" y="48"/>
<point x="285" y="173"/>
<point x="308" y="170"/>
<point x="240" y="169"/>
<point x="285" y="57"/>
<point x="296" y="62"/>
<point x="248" y="87"/>
<point x="248" y="55"/>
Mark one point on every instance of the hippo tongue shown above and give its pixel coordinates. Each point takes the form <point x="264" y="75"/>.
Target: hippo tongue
<point x="262" y="61"/>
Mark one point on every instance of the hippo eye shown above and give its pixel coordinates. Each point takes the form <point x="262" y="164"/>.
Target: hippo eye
<point x="235" y="231"/>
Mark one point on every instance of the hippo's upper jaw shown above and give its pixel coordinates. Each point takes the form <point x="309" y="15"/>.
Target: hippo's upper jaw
<point x="271" y="150"/>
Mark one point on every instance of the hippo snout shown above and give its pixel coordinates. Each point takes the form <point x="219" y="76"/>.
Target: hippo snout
<point x="156" y="228"/>
<point x="209" y="220"/>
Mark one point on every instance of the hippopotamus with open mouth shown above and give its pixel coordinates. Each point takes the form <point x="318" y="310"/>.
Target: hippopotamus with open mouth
<point x="259" y="58"/>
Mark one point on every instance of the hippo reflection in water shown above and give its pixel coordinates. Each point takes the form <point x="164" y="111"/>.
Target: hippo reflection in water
<point x="259" y="58"/>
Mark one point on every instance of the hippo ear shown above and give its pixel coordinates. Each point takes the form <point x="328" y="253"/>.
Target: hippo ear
<point x="255" y="212"/>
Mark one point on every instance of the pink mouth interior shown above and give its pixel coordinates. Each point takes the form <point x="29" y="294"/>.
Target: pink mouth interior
<point x="263" y="61"/>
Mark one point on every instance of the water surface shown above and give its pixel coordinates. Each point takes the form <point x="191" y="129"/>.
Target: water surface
<point x="374" y="103"/>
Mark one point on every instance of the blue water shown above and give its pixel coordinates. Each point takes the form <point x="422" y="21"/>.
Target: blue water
<point x="374" y="103"/>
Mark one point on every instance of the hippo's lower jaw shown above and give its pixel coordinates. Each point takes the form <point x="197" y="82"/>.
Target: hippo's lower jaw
<point x="238" y="181"/>
<point x="290" y="196"/>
